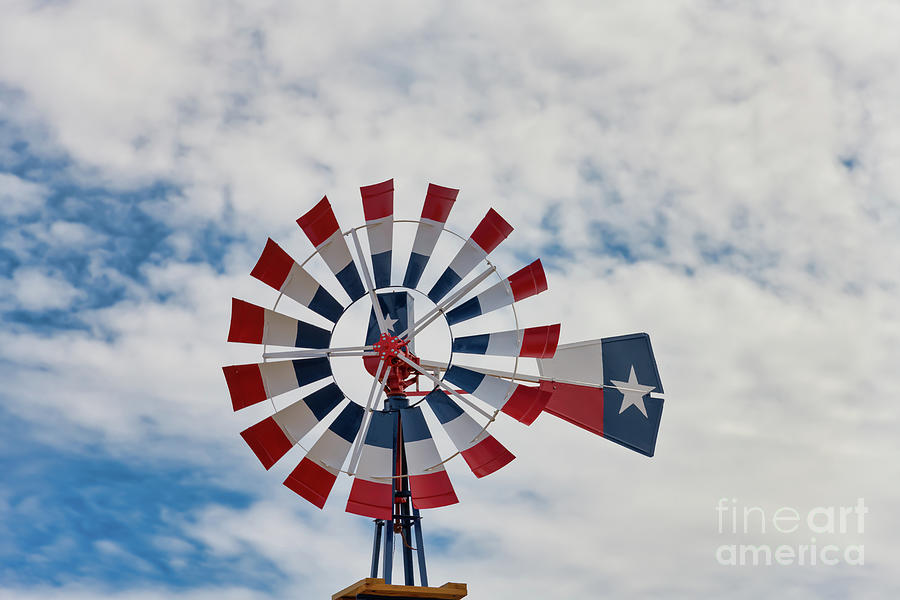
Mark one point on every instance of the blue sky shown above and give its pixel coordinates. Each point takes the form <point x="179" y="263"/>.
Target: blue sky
<point x="86" y="515"/>
<point x="720" y="176"/>
<point x="79" y="512"/>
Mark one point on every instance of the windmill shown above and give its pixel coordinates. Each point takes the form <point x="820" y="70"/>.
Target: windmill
<point x="383" y="440"/>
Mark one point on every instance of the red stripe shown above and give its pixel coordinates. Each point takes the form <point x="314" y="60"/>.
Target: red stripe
<point x="492" y="230"/>
<point x="432" y="490"/>
<point x="371" y="499"/>
<point x="247" y="322"/>
<point x="528" y="281"/>
<point x="273" y="265"/>
<point x="245" y="384"/>
<point x="378" y="200"/>
<point x="311" y="481"/>
<point x="540" y="342"/>
<point x="438" y="202"/>
<point x="319" y="223"/>
<point x="487" y="456"/>
<point x="268" y="441"/>
<point x="578" y="404"/>
<point x="526" y="403"/>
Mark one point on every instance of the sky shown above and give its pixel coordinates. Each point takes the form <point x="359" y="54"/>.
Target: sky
<point x="722" y="175"/>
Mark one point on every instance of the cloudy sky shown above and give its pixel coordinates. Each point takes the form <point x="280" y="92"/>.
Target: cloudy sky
<point x="722" y="175"/>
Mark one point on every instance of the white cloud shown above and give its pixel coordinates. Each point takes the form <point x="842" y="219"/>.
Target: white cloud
<point x="67" y="233"/>
<point x="34" y="290"/>
<point x="18" y="196"/>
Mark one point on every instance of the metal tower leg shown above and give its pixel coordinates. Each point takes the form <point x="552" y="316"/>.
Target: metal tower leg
<point x="376" y="547"/>
<point x="394" y="404"/>
<point x="388" y="562"/>
<point x="406" y="531"/>
<point x="420" y="547"/>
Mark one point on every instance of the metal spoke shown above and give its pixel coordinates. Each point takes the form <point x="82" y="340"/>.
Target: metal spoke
<point x="446" y="304"/>
<point x="377" y="384"/>
<point x="312" y="352"/>
<point x="523" y="377"/>
<point x="447" y="388"/>
<point x="370" y="286"/>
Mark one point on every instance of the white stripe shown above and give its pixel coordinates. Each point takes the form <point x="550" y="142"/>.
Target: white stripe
<point x="300" y="285"/>
<point x="466" y="259"/>
<point x="296" y="420"/>
<point x="581" y="361"/>
<point x="375" y="462"/>
<point x="330" y="451"/>
<point x="426" y="236"/>
<point x="463" y="431"/>
<point x="335" y="253"/>
<point x="279" y="329"/>
<point x="494" y="391"/>
<point x="380" y="232"/>
<point x="420" y="455"/>
<point x="505" y="343"/>
<point x="496" y="296"/>
<point x="278" y="377"/>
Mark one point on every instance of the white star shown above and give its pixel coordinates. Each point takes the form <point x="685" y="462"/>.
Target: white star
<point x="389" y="323"/>
<point x="632" y="393"/>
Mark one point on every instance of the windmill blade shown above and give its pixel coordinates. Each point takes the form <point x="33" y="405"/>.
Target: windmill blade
<point x="378" y="208"/>
<point x="252" y="324"/>
<point x="279" y="271"/>
<point x="522" y="402"/>
<point x="271" y="438"/>
<point x="524" y="283"/>
<point x="492" y="230"/>
<point x="481" y="451"/>
<point x="534" y="342"/>
<point x="618" y="374"/>
<point x="429" y="485"/>
<point x="253" y="383"/>
<point x="322" y="229"/>
<point x="314" y="477"/>
<point x="438" y="202"/>
<point x="371" y="494"/>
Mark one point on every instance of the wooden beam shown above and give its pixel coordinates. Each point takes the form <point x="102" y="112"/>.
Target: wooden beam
<point x="377" y="588"/>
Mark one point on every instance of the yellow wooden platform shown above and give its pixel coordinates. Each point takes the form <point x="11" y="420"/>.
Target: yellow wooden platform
<point x="377" y="587"/>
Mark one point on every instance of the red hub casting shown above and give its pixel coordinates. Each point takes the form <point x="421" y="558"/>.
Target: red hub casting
<point x="400" y="375"/>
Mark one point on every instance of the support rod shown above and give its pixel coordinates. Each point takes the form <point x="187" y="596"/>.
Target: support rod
<point x="349" y="351"/>
<point x="377" y="387"/>
<point x="433" y="314"/>
<point x="430" y="364"/>
<point x="370" y="287"/>
<point x="446" y="387"/>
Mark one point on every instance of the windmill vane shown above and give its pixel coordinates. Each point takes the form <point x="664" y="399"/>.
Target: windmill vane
<point x="610" y="386"/>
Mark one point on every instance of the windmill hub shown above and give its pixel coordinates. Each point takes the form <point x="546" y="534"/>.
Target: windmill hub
<point x="400" y="374"/>
<point x="389" y="346"/>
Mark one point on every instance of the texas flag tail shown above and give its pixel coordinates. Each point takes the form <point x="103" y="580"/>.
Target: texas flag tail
<point x="605" y="386"/>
